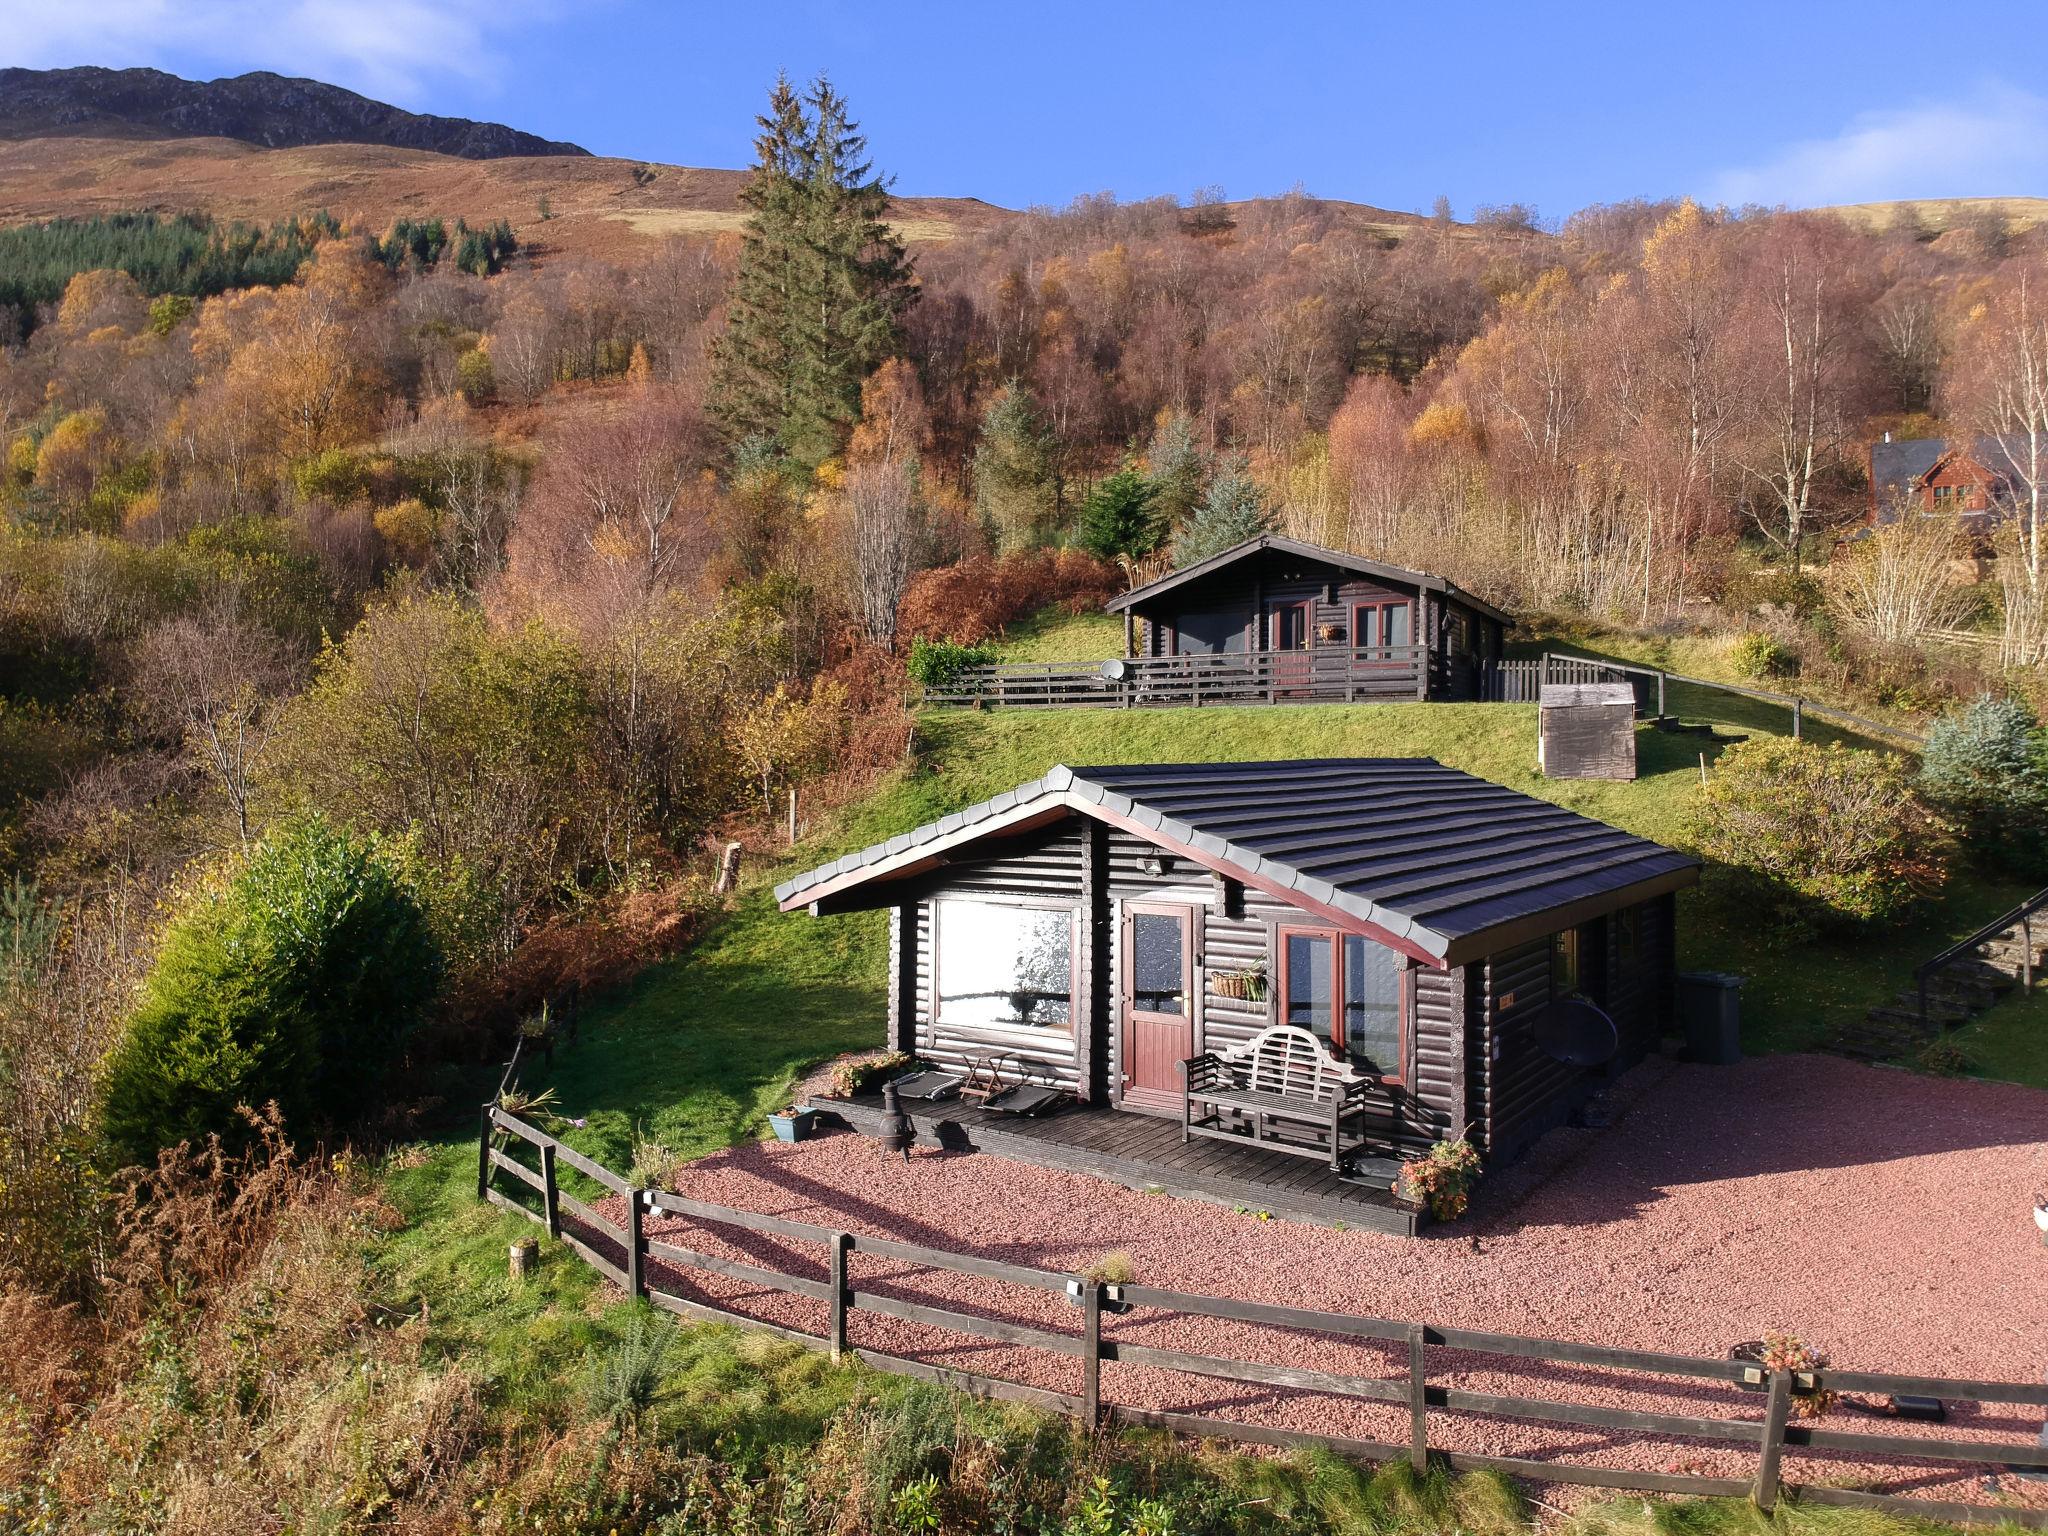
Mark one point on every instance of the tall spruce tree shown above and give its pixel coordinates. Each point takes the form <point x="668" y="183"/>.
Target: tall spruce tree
<point x="821" y="286"/>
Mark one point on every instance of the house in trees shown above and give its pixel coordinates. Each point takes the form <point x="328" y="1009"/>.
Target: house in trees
<point x="1336" y="961"/>
<point x="1973" y="481"/>
<point x="1318" y="623"/>
<point x="1271" y="620"/>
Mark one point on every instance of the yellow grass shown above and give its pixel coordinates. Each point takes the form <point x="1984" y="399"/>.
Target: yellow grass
<point x="1940" y="213"/>
<point x="657" y="222"/>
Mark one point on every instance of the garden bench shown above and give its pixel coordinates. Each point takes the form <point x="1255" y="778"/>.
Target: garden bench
<point x="1281" y="1090"/>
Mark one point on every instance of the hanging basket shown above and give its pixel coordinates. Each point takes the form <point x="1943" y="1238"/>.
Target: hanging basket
<point x="1244" y="986"/>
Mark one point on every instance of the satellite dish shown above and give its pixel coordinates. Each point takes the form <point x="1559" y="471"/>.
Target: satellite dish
<point x="1577" y="1033"/>
<point x="1115" y="670"/>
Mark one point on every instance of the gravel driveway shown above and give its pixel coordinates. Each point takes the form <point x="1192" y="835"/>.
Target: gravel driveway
<point x="1882" y="1217"/>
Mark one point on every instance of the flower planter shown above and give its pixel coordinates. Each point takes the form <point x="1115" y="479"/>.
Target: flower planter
<point x="1244" y="987"/>
<point x="794" y="1125"/>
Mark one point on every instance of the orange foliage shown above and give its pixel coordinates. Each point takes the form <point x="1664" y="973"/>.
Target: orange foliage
<point x="982" y="597"/>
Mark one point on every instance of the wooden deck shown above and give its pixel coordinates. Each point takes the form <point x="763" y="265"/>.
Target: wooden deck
<point x="1146" y="1152"/>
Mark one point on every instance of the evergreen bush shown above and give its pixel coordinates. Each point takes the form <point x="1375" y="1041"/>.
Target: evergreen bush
<point x="936" y="663"/>
<point x="294" y="982"/>
<point x="1986" y="766"/>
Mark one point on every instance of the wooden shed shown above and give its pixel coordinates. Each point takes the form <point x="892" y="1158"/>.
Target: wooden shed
<point x="1586" y="731"/>
<point x="1108" y="926"/>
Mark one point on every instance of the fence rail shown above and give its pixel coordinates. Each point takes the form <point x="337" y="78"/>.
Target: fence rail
<point x="1361" y="675"/>
<point x="1409" y="1384"/>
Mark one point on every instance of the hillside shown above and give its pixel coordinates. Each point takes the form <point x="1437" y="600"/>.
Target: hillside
<point x="268" y="110"/>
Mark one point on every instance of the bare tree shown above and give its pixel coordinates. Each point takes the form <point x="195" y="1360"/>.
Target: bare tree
<point x="888" y="532"/>
<point x="214" y="682"/>
<point x="1900" y="583"/>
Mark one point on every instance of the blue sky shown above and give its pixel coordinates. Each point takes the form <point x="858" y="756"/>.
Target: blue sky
<point x="1797" y="101"/>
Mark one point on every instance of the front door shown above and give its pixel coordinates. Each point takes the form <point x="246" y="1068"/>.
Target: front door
<point x="1157" y="1003"/>
<point x="1287" y="631"/>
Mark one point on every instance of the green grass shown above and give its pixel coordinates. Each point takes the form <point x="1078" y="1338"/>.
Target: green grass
<point x="1052" y="635"/>
<point x="2009" y="1042"/>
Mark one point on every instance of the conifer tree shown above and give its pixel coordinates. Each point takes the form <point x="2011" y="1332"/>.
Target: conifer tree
<point x="1016" y="481"/>
<point x="821" y="286"/>
<point x="1117" y="518"/>
<point x="1177" y="469"/>
<point x="1234" y="510"/>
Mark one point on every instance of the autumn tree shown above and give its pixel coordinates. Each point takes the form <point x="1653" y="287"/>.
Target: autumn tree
<point x="883" y="517"/>
<point x="1999" y="393"/>
<point x="821" y="286"/>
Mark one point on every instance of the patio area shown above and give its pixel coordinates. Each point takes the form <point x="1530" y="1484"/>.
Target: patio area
<point x="1882" y="1217"/>
<point x="1145" y="1152"/>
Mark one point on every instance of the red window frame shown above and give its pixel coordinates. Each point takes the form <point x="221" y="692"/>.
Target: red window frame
<point x="1405" y="1040"/>
<point x="1358" y="612"/>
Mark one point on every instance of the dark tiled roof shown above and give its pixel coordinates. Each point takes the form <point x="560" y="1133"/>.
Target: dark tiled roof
<point x="1286" y="546"/>
<point x="1896" y="465"/>
<point x="1430" y="854"/>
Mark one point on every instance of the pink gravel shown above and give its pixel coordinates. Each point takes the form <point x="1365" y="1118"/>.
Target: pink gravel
<point x="1882" y="1217"/>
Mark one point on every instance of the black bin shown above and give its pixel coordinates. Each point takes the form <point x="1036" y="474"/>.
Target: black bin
<point x="1710" y="1005"/>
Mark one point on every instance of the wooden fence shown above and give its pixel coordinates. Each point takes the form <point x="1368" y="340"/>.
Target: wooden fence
<point x="1410" y="1388"/>
<point x="1222" y="677"/>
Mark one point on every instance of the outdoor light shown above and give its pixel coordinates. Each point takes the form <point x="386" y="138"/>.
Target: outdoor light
<point x="1155" y="864"/>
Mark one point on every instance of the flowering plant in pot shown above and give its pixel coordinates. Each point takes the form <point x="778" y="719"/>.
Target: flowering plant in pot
<point x="793" y="1123"/>
<point x="1440" y="1180"/>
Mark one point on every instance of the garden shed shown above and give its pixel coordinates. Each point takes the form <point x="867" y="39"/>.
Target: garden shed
<point x="1586" y="731"/>
<point x="1105" y="928"/>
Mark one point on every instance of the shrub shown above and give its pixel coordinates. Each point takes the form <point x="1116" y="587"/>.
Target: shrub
<point x="1118" y="517"/>
<point x="1757" y="655"/>
<point x="1754" y="587"/>
<point x="296" y="982"/>
<point x="977" y="599"/>
<point x="1825" y="835"/>
<point x="1986" y="766"/>
<point x="936" y="663"/>
<point x="864" y="1074"/>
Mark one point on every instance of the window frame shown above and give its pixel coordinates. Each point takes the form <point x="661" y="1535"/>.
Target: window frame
<point x="1565" y="957"/>
<point x="1364" y="605"/>
<point x="1282" y="930"/>
<point x="1016" y="1032"/>
<point x="1275" y="620"/>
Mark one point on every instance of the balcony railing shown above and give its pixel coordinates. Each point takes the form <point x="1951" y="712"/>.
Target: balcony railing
<point x="1226" y="677"/>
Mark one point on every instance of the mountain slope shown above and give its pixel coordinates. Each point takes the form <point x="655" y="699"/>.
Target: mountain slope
<point x="267" y="110"/>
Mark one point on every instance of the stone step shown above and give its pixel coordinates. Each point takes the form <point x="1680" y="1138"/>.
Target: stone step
<point x="1908" y="1020"/>
<point x="1940" y="1010"/>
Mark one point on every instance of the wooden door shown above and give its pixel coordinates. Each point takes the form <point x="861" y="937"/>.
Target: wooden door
<point x="1288" y="636"/>
<point x="1156" y="1000"/>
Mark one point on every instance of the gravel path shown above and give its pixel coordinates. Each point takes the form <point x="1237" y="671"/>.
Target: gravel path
<point x="1882" y="1217"/>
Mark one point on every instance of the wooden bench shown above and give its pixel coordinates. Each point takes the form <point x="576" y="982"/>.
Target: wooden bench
<point x="1281" y="1090"/>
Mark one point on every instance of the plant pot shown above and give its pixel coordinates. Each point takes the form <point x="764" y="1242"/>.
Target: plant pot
<point x="795" y="1125"/>
<point x="1242" y="988"/>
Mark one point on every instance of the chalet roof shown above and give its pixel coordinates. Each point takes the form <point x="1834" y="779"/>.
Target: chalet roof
<point x="1898" y="466"/>
<point x="1453" y="866"/>
<point x="1419" y="579"/>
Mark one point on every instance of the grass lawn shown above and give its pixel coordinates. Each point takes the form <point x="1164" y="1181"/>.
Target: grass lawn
<point x="2010" y="1041"/>
<point x="1051" y="635"/>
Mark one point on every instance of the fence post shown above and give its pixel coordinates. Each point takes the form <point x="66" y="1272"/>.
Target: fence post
<point x="841" y="1242"/>
<point x="550" y="1191"/>
<point x="1765" y="1494"/>
<point x="1660" y="695"/>
<point x="2027" y="950"/>
<point x="1091" y="1354"/>
<point x="1418" y="1401"/>
<point x="483" y="1155"/>
<point x="636" y="1246"/>
<point x="1921" y="978"/>
<point x="1798" y="718"/>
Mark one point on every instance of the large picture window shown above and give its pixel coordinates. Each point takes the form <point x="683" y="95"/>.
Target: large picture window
<point x="1004" y="966"/>
<point x="1384" y="624"/>
<point x="1348" y="990"/>
<point x="1209" y="634"/>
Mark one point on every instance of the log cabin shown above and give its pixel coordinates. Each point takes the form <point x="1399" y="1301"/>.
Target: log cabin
<point x="1103" y="929"/>
<point x="1324" y="624"/>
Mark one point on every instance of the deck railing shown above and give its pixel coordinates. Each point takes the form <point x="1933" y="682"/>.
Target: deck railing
<point x="838" y="1295"/>
<point x="1225" y="677"/>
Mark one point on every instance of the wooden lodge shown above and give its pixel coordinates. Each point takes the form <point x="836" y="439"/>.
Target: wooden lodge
<point x="1272" y="620"/>
<point x="1229" y="971"/>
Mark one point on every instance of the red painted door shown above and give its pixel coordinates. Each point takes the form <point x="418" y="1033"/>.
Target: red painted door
<point x="1157" y="1003"/>
<point x="1287" y="633"/>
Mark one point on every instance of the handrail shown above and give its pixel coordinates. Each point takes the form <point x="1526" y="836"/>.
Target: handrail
<point x="2020" y="917"/>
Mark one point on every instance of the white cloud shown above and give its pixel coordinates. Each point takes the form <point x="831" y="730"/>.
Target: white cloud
<point x="390" y="49"/>
<point x="1990" y="141"/>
